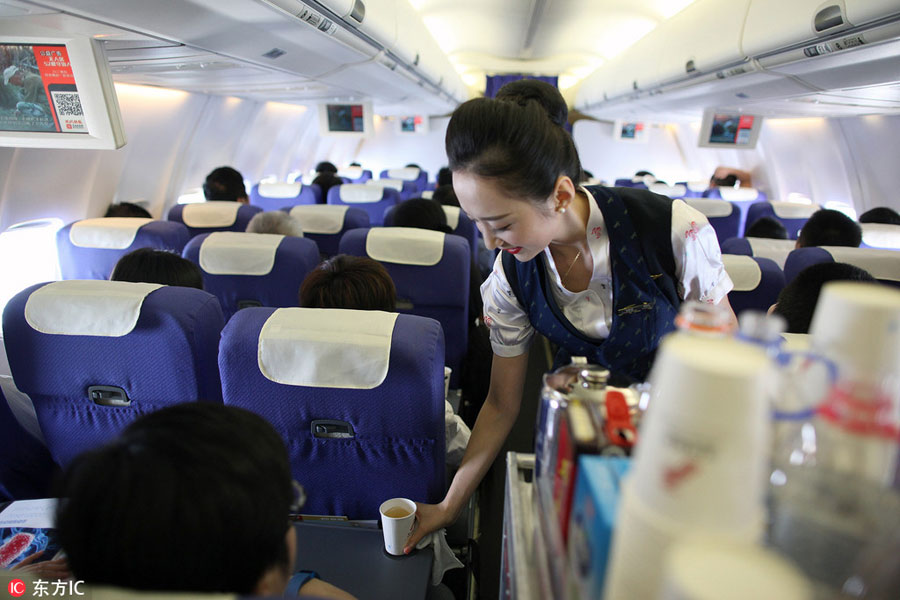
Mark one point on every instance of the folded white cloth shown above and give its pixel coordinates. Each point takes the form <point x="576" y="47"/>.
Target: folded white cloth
<point x="444" y="559"/>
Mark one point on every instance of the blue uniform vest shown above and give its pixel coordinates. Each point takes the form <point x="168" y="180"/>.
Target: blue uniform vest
<point x="645" y="300"/>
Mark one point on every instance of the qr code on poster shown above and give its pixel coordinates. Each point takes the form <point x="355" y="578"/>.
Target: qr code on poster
<point x="68" y="104"/>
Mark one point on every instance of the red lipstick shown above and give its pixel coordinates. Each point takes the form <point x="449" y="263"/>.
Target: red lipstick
<point x="515" y="250"/>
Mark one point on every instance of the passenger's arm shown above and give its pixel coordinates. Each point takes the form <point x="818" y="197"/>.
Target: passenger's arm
<point x="322" y="589"/>
<point x="495" y="420"/>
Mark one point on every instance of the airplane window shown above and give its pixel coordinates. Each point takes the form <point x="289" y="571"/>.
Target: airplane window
<point x="34" y="245"/>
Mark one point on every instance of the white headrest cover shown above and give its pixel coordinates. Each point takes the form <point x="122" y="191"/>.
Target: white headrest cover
<point x="452" y="213"/>
<point x="698" y="186"/>
<point x="743" y="271"/>
<point x="351" y="172"/>
<point x="320" y="218"/>
<point x="795" y="342"/>
<point x="361" y="193"/>
<point x="112" y="232"/>
<point x="794" y="210"/>
<point x="428" y="194"/>
<point x="405" y="245"/>
<point x="776" y="250"/>
<point x="406" y="174"/>
<point x="672" y="191"/>
<point x="210" y="214"/>
<point x="881" y="264"/>
<point x="280" y="190"/>
<point x="881" y="235"/>
<point x="395" y="184"/>
<point x="237" y="253"/>
<point x="738" y="194"/>
<point x="322" y="347"/>
<point x="711" y="207"/>
<point x="90" y="307"/>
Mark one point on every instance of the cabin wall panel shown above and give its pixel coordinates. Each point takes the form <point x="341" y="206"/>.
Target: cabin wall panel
<point x="870" y="149"/>
<point x="270" y="142"/>
<point x="389" y="148"/>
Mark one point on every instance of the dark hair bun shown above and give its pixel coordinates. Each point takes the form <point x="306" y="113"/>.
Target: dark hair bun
<point x="546" y="95"/>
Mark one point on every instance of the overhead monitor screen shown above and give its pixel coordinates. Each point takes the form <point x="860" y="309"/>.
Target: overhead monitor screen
<point x="413" y="124"/>
<point x="39" y="93"/>
<point x="723" y="129"/>
<point x="350" y="119"/>
<point x="630" y="131"/>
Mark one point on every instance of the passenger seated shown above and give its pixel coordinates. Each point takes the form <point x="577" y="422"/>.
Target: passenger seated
<point x="444" y="177"/>
<point x="729" y="176"/>
<point x="326" y="167"/>
<point x="880" y="214"/>
<point x="797" y="301"/>
<point x="361" y="283"/>
<point x="127" y="209"/>
<point x="225" y="184"/>
<point x="445" y="196"/>
<point x="326" y="181"/>
<point x="149" y="265"/>
<point x="275" y="221"/>
<point x="830" y="228"/>
<point x="190" y="498"/>
<point x="767" y="227"/>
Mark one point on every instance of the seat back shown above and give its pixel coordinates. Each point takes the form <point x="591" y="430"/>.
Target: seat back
<point x="325" y="224"/>
<point x="252" y="269"/>
<point x="883" y="265"/>
<point x="672" y="191"/>
<point x="357" y="396"/>
<point x="415" y="175"/>
<point x="457" y="221"/>
<point x="207" y="217"/>
<point x="275" y="196"/>
<point x="757" y="282"/>
<point x="724" y="217"/>
<point x="790" y="214"/>
<point x="772" y="249"/>
<point x="147" y="345"/>
<point x="693" y="189"/>
<point x="373" y="199"/>
<point x="631" y="182"/>
<point x="431" y="273"/>
<point x="742" y="198"/>
<point x="406" y="189"/>
<point x="90" y="249"/>
<point x="355" y="174"/>
<point x="880" y="235"/>
<point x="26" y="467"/>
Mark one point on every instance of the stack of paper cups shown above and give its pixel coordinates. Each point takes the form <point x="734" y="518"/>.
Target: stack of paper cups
<point x="706" y="569"/>
<point x="702" y="463"/>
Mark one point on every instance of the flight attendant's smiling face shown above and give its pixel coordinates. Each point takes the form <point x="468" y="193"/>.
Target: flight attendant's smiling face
<point x="518" y="226"/>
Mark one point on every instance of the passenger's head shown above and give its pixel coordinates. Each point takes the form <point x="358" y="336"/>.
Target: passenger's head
<point x="326" y="167"/>
<point x="345" y="281"/>
<point x="326" y="181"/>
<point x="225" y="183"/>
<point x="638" y="174"/>
<point x="190" y="498"/>
<point x="445" y="195"/>
<point x="150" y="265"/>
<point x="880" y="214"/>
<point x="355" y="164"/>
<point x="830" y="228"/>
<point x="275" y="221"/>
<point x="421" y="213"/>
<point x="413" y="166"/>
<point x="767" y="227"/>
<point x="727" y="181"/>
<point x="797" y="301"/>
<point x="444" y="177"/>
<point x="127" y="209"/>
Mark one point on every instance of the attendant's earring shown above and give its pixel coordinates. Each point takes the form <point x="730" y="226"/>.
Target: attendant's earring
<point x="561" y="209"/>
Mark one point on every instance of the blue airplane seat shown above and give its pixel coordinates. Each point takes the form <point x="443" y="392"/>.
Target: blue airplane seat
<point x="90" y="248"/>
<point x="357" y="396"/>
<point x="417" y="176"/>
<point x="355" y="174"/>
<point x="790" y="214"/>
<point x="724" y="216"/>
<point x="26" y="467"/>
<point x="275" y="196"/>
<point x="742" y="198"/>
<point x="326" y="223"/>
<point x="94" y="355"/>
<point x="373" y="199"/>
<point x="206" y="217"/>
<point x="880" y="235"/>
<point x="757" y="282"/>
<point x="252" y="269"/>
<point x="883" y="265"/>
<point x="457" y="221"/>
<point x="693" y="189"/>
<point x="430" y="270"/>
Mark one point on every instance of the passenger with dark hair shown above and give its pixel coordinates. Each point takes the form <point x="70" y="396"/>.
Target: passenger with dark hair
<point x="345" y="281"/>
<point x="326" y="167"/>
<point x="127" y="209"/>
<point x="729" y="176"/>
<point x="444" y="177"/>
<point x="880" y="214"/>
<point x="767" y="227"/>
<point x="150" y="265"/>
<point x="190" y="498"/>
<point x="516" y="172"/>
<point x="326" y="181"/>
<point x="225" y="184"/>
<point x="355" y="164"/>
<point x="422" y="214"/>
<point x="445" y="196"/>
<point x="413" y="166"/>
<point x="797" y="301"/>
<point x="830" y="228"/>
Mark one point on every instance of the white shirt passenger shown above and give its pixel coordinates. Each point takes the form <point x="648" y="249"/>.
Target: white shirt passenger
<point x="699" y="272"/>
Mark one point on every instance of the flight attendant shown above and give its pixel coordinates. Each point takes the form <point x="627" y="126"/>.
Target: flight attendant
<point x="599" y="271"/>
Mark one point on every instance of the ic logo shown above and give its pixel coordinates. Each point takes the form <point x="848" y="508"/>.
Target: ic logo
<point x="16" y="588"/>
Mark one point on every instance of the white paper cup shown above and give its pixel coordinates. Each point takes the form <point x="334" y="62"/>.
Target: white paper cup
<point x="702" y="459"/>
<point x="858" y="325"/>
<point x="398" y="517"/>
<point x="708" y="569"/>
